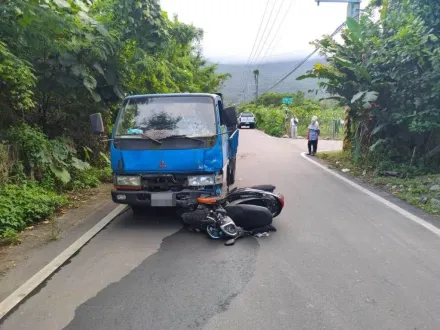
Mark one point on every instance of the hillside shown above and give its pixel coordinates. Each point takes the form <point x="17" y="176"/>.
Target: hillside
<point x="270" y="73"/>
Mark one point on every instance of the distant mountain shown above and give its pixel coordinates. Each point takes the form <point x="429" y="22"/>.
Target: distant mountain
<point x="271" y="72"/>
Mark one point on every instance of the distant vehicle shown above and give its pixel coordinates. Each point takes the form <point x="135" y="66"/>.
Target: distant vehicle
<point x="246" y="119"/>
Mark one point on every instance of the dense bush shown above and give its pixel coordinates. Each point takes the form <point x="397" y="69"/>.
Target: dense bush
<point x="62" y="61"/>
<point x="35" y="172"/>
<point x="274" y="118"/>
<point x="387" y="71"/>
<point x="22" y="205"/>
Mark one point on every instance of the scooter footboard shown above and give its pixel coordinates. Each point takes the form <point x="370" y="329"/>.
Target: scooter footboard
<point x="249" y="216"/>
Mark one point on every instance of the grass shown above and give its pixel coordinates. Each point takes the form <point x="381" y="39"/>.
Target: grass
<point x="414" y="190"/>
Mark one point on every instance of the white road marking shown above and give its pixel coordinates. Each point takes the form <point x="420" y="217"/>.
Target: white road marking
<point x="23" y="291"/>
<point x="382" y="200"/>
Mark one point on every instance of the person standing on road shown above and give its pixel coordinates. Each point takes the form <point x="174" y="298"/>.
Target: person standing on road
<point x="293" y="127"/>
<point x="312" y="136"/>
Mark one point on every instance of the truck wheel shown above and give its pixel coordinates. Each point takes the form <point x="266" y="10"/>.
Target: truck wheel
<point x="230" y="176"/>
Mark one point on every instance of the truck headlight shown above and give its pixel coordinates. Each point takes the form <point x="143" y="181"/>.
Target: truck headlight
<point x="204" y="180"/>
<point x="126" y="180"/>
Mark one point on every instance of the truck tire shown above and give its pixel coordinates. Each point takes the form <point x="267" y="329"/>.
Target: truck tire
<point x="230" y="175"/>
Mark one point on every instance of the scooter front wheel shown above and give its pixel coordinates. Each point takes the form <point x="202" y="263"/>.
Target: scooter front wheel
<point x="213" y="232"/>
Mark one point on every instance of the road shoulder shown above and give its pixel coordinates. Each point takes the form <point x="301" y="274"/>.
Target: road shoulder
<point x="415" y="214"/>
<point x="42" y="243"/>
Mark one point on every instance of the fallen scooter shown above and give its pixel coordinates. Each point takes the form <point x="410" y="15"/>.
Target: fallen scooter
<point x="261" y="195"/>
<point x="242" y="212"/>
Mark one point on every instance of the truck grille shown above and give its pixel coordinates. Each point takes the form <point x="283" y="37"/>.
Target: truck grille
<point x="164" y="182"/>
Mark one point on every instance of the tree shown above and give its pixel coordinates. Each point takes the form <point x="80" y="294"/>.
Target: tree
<point x="387" y="72"/>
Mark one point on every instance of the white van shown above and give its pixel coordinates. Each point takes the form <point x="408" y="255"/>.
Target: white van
<point x="246" y="119"/>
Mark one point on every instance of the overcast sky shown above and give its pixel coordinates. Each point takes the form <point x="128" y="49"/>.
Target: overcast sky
<point x="231" y="26"/>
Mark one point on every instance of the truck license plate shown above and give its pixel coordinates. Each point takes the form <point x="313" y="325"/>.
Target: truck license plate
<point x="163" y="199"/>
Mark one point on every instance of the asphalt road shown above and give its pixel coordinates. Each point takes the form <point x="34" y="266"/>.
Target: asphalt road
<point x="340" y="260"/>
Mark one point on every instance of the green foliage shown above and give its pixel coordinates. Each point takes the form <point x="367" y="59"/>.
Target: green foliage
<point x="22" y="205"/>
<point x="9" y="236"/>
<point x="274" y="118"/>
<point x="39" y="153"/>
<point x="388" y="72"/>
<point x="62" y="60"/>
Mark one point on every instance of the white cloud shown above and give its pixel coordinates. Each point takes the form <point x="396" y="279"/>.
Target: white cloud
<point x="231" y="26"/>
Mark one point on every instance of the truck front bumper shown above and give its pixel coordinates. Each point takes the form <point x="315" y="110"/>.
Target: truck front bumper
<point x="183" y="198"/>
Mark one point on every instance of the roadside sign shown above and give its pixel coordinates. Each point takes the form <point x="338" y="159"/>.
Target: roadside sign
<point x="287" y="100"/>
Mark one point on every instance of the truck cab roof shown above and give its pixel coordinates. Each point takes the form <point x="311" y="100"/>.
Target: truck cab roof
<point x="172" y="94"/>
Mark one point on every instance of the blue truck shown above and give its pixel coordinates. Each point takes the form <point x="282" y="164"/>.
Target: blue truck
<point x="168" y="149"/>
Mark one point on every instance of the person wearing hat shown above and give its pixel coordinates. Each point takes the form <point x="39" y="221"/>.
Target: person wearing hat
<point x="312" y="136"/>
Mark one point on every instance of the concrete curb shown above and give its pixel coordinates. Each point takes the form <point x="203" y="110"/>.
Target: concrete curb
<point x="30" y="285"/>
<point x="378" y="198"/>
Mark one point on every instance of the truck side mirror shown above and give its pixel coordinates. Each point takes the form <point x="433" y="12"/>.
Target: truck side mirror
<point x="230" y="118"/>
<point x="220" y="112"/>
<point x="97" y="123"/>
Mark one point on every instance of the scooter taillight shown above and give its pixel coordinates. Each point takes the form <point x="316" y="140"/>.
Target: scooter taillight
<point x="281" y="198"/>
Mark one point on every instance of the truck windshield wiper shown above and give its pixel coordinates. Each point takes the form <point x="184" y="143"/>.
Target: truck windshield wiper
<point x="152" y="139"/>
<point x="143" y="135"/>
<point x="182" y="136"/>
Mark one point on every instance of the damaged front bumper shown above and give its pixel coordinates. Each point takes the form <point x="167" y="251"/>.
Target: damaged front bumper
<point x="184" y="198"/>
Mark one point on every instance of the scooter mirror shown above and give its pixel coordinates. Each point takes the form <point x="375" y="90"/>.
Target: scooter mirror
<point x="230" y="242"/>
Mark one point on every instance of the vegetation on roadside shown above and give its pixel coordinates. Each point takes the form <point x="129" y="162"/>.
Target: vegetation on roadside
<point x="387" y="73"/>
<point x="273" y="117"/>
<point x="62" y="60"/>
<point x="418" y="189"/>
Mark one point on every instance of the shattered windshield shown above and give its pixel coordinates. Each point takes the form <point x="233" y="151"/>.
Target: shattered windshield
<point x="161" y="117"/>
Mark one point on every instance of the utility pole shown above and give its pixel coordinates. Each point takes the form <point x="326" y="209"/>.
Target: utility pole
<point x="256" y="75"/>
<point x="353" y="6"/>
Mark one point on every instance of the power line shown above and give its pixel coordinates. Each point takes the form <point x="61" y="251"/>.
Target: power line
<point x="256" y="38"/>
<point x="305" y="60"/>
<point x="258" y="49"/>
<point x="278" y="12"/>
<point x="265" y="56"/>
<point x="265" y="28"/>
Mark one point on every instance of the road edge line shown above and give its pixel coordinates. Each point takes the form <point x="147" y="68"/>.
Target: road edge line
<point x="378" y="198"/>
<point x="30" y="285"/>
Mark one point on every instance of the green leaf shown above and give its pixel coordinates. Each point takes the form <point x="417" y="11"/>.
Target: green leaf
<point x="61" y="173"/>
<point x="89" y="82"/>
<point x="102" y="30"/>
<point x="370" y="97"/>
<point x="79" y="164"/>
<point x="104" y="156"/>
<point x="68" y="81"/>
<point x="96" y="96"/>
<point x="354" y="27"/>
<point x="357" y="97"/>
<point x="377" y="129"/>
<point x="111" y="76"/>
<point x="67" y="59"/>
<point x="82" y="5"/>
<point x="118" y="91"/>
<point x="307" y="76"/>
<point x="62" y="3"/>
<point x="377" y="143"/>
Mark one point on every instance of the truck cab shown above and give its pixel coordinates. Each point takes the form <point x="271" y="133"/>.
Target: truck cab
<point x="168" y="149"/>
